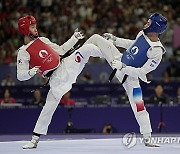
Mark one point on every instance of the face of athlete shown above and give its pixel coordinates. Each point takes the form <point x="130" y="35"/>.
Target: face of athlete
<point x="147" y="24"/>
<point x="33" y="29"/>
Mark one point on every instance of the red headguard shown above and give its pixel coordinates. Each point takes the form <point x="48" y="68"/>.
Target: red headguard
<point x="24" y="24"/>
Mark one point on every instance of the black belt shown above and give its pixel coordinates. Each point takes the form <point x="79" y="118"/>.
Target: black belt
<point x="124" y="78"/>
<point x="50" y="73"/>
<point x="113" y="74"/>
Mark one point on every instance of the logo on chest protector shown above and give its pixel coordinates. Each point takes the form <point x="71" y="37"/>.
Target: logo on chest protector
<point x="47" y="57"/>
<point x="43" y="53"/>
<point x="132" y="52"/>
<point x="78" y="57"/>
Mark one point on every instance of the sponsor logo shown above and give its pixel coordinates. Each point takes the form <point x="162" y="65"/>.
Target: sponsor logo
<point x="129" y="140"/>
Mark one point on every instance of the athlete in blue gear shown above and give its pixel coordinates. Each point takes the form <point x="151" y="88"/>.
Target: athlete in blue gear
<point x="142" y="56"/>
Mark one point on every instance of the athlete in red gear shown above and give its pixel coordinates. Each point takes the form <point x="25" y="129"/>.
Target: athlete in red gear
<point x="40" y="55"/>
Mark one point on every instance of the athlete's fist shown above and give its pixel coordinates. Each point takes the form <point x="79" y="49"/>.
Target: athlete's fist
<point x="34" y="70"/>
<point x="117" y="64"/>
<point x="78" y="34"/>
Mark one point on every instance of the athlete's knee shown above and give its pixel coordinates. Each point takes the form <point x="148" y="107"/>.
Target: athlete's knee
<point x="96" y="37"/>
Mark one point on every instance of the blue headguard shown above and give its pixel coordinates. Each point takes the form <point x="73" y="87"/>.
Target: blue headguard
<point x="158" y="25"/>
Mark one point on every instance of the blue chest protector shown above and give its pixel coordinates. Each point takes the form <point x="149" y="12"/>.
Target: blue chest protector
<point x="136" y="55"/>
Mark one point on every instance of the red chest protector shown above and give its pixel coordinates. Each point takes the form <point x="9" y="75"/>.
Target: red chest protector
<point x="44" y="56"/>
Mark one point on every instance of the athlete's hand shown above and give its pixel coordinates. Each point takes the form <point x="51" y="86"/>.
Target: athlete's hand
<point x="34" y="70"/>
<point x="117" y="64"/>
<point x="78" y="34"/>
<point x="109" y="36"/>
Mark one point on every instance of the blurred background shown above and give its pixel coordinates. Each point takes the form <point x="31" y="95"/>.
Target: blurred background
<point x="93" y="105"/>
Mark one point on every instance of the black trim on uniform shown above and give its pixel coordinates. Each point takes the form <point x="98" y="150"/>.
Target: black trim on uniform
<point x="36" y="134"/>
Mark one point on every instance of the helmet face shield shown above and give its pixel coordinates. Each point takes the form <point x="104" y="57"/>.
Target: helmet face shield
<point x="24" y="23"/>
<point x="158" y="24"/>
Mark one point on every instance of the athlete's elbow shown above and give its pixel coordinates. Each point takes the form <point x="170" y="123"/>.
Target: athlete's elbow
<point x="20" y="78"/>
<point x="95" y="35"/>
